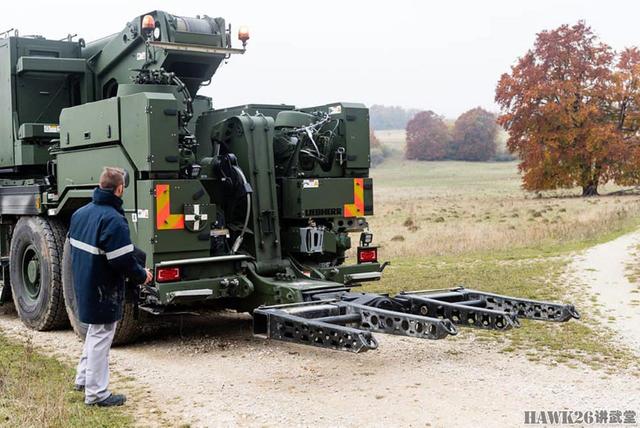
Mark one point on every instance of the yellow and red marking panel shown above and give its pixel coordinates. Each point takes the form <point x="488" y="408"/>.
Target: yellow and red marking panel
<point x="357" y="207"/>
<point x="164" y="219"/>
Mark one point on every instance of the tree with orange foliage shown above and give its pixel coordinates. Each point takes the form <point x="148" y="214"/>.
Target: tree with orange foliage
<point x="427" y="137"/>
<point x="474" y="136"/>
<point x="624" y="108"/>
<point x="572" y="111"/>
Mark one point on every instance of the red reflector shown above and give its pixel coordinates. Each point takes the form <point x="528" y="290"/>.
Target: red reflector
<point x="367" y="254"/>
<point x="168" y="274"/>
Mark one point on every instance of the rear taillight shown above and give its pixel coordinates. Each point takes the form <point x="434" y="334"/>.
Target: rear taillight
<point x="168" y="274"/>
<point x="367" y="254"/>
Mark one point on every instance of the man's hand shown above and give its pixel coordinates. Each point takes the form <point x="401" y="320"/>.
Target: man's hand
<point x="149" y="276"/>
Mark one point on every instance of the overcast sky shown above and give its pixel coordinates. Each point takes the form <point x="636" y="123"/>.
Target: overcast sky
<point x="445" y="56"/>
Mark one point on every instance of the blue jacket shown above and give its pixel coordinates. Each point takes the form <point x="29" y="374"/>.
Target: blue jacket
<point x="102" y="256"/>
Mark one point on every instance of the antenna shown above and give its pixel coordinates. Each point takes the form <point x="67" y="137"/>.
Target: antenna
<point x="5" y="34"/>
<point x="69" y="37"/>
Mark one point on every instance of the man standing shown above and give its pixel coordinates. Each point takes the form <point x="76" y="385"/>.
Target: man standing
<point x="102" y="256"/>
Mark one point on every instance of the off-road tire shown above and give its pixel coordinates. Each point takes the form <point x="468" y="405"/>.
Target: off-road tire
<point x="128" y="329"/>
<point x="35" y="269"/>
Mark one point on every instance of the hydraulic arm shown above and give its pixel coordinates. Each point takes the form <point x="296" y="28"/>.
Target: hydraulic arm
<point x="345" y="320"/>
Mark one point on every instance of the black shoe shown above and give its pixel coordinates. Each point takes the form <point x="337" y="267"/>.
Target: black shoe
<point x="110" y="401"/>
<point x="78" y="387"/>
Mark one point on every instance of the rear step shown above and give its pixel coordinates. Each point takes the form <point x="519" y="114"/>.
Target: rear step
<point x="344" y="321"/>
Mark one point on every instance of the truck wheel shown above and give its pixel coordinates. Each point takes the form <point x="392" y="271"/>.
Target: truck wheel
<point x="128" y="329"/>
<point x="35" y="272"/>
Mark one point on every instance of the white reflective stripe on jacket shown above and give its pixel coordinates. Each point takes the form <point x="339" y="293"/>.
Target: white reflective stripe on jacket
<point x="97" y="251"/>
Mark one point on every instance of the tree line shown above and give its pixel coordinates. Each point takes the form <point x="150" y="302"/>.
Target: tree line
<point x="389" y="117"/>
<point x="473" y="137"/>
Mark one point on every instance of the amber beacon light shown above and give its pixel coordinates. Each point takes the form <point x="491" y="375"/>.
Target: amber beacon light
<point x="243" y="35"/>
<point x="148" y="23"/>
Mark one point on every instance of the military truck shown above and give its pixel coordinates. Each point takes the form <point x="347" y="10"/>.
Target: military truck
<point x="253" y="208"/>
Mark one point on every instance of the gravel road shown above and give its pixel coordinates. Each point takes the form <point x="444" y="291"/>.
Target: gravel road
<point x="602" y="270"/>
<point x="210" y="371"/>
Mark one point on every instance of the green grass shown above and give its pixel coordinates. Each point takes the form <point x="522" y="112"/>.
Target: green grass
<point x="36" y="391"/>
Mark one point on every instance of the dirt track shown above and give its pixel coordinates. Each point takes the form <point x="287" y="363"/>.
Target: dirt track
<point x="602" y="269"/>
<point x="211" y="372"/>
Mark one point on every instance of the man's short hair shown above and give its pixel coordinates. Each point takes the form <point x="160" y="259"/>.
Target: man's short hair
<point x="111" y="178"/>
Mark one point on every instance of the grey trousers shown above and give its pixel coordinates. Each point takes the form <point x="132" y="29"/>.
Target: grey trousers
<point x="93" y="368"/>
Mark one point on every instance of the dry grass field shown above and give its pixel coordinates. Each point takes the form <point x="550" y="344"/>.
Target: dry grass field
<point x="456" y="208"/>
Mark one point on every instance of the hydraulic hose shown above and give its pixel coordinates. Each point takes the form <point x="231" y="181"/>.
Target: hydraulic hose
<point x="238" y="241"/>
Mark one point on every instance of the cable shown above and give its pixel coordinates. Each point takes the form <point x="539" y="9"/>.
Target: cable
<point x="239" y="239"/>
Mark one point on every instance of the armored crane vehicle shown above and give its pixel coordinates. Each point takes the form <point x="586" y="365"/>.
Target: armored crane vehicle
<point x="253" y="208"/>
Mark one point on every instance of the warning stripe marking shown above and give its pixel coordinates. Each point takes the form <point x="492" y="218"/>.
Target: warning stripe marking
<point x="164" y="219"/>
<point x="357" y="207"/>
